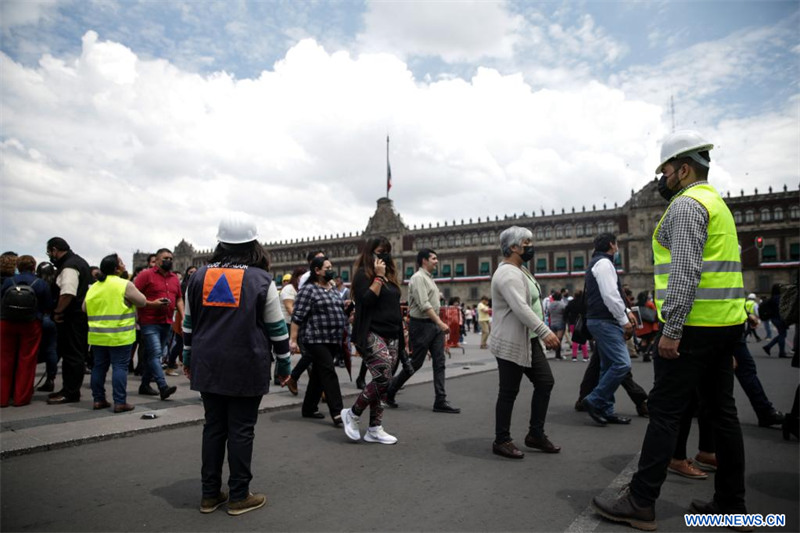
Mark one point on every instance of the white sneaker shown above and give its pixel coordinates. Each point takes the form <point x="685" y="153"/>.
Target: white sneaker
<point x="350" y="423"/>
<point x="377" y="434"/>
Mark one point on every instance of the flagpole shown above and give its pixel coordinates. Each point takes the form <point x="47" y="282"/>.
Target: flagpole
<point x="388" y="169"/>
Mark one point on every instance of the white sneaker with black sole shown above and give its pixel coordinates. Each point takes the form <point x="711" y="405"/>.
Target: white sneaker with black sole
<point x="350" y="423"/>
<point x="377" y="434"/>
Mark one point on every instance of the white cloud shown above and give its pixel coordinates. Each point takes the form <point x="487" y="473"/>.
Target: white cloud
<point x="454" y="31"/>
<point x="114" y="151"/>
<point x="25" y="12"/>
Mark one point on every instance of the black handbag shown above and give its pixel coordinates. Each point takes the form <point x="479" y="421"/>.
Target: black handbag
<point x="581" y="335"/>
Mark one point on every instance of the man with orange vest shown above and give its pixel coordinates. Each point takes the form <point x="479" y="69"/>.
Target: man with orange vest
<point x="699" y="294"/>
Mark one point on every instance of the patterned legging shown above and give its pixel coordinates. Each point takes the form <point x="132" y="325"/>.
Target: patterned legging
<point x="380" y="358"/>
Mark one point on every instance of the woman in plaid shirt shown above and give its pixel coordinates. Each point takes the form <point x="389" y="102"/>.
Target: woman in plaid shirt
<point x="319" y="321"/>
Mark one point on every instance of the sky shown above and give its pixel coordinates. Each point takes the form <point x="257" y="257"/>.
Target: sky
<point x="130" y="125"/>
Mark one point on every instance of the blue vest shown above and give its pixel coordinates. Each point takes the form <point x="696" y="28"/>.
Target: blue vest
<point x="231" y="351"/>
<point x="595" y="306"/>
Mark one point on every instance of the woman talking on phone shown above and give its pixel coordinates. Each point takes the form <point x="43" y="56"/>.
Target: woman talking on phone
<point x="377" y="335"/>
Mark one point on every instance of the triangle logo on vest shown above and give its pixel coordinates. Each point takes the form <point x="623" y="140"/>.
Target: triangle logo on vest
<point x="222" y="287"/>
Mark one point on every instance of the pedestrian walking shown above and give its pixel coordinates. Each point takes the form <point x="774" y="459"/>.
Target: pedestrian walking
<point x="232" y="328"/>
<point x="516" y="342"/>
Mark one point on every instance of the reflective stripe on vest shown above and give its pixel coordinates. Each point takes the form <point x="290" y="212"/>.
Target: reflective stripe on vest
<point x="720" y="296"/>
<point x="111" y="322"/>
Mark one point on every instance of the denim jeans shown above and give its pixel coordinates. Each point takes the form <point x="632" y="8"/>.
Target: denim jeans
<point x="704" y="365"/>
<point x="592" y="375"/>
<point x="47" y="348"/>
<point x="117" y="357"/>
<point x="230" y="421"/>
<point x="780" y="338"/>
<point x="615" y="363"/>
<point x="154" y="341"/>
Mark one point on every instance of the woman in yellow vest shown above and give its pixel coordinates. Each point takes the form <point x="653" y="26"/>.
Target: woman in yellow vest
<point x="109" y="305"/>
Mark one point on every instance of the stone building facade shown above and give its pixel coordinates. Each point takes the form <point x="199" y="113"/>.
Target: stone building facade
<point x="469" y="251"/>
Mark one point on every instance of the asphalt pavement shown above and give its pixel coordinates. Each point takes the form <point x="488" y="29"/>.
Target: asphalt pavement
<point x="69" y="468"/>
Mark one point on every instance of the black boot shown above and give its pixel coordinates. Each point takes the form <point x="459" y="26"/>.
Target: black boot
<point x="49" y="385"/>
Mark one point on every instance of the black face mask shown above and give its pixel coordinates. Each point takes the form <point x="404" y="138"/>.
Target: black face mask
<point x="386" y="257"/>
<point x="663" y="190"/>
<point x="329" y="275"/>
<point x="527" y="253"/>
<point x="166" y="265"/>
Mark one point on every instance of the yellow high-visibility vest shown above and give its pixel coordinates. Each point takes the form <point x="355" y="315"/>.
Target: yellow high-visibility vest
<point x="111" y="322"/>
<point x="719" y="298"/>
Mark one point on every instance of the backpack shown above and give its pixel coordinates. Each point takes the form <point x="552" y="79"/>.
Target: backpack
<point x="766" y="310"/>
<point x="19" y="303"/>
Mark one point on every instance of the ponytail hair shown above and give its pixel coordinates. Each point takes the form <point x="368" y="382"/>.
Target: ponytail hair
<point x="108" y="267"/>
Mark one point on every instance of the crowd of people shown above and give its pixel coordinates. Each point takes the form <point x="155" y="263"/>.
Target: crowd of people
<point x="228" y="322"/>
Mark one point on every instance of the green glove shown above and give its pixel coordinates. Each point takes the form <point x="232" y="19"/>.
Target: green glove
<point x="284" y="366"/>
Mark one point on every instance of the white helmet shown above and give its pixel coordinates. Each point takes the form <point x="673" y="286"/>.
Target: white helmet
<point x="751" y="296"/>
<point x="686" y="143"/>
<point x="237" y="228"/>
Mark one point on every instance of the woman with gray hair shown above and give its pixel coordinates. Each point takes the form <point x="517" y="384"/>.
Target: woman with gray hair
<point x="518" y="331"/>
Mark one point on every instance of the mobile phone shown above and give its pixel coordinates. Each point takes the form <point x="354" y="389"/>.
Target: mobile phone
<point x="638" y="316"/>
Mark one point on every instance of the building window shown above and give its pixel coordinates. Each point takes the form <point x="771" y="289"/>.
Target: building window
<point x="446" y="294"/>
<point x="345" y="275"/>
<point x="485" y="268"/>
<point x="451" y="241"/>
<point x="567" y="231"/>
<point x="794" y="251"/>
<point x="473" y="293"/>
<point x="446" y="270"/>
<point x="459" y="269"/>
<point x="435" y="272"/>
<point x="459" y="240"/>
<point x="618" y="260"/>
<point x="577" y="263"/>
<point x="737" y="217"/>
<point x="559" y="232"/>
<point x="541" y="265"/>
<point x="561" y="264"/>
<point x="409" y="271"/>
<point x="485" y="238"/>
<point x="548" y="232"/>
<point x="579" y="230"/>
<point x="539" y="234"/>
<point x="749" y="216"/>
<point x="778" y="214"/>
<point x="590" y="229"/>
<point x="765" y="215"/>
<point x="769" y="253"/>
<point x="794" y="212"/>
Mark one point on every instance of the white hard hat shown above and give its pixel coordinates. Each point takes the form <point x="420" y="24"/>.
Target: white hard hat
<point x="237" y="228"/>
<point x="751" y="296"/>
<point x="686" y="143"/>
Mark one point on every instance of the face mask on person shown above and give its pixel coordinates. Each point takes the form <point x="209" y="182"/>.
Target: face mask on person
<point x="527" y="253"/>
<point x="166" y="265"/>
<point x="385" y="257"/>
<point x="329" y="275"/>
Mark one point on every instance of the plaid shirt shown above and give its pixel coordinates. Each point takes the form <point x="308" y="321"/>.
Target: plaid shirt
<point x="683" y="232"/>
<point x="320" y="315"/>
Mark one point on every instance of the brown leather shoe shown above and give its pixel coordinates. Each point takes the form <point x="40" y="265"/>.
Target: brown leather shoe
<point x="706" y="461"/>
<point x="60" y="398"/>
<point x="123" y="407"/>
<point x="290" y="384"/>
<point x="542" y="444"/>
<point x="101" y="405"/>
<point x="684" y="467"/>
<point x="507" y="449"/>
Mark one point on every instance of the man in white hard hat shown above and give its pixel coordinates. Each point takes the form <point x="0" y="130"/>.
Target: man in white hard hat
<point x="700" y="301"/>
<point x="751" y="308"/>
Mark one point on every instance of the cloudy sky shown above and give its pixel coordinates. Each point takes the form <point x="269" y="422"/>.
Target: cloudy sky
<point x="130" y="125"/>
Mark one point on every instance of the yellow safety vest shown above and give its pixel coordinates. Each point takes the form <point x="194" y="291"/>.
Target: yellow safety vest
<point x="750" y="307"/>
<point x="111" y="322"/>
<point x="719" y="298"/>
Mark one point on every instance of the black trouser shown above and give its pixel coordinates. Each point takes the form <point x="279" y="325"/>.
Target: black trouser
<point x="705" y="429"/>
<point x="424" y="336"/>
<point x="302" y="364"/>
<point x="592" y="376"/>
<point x="72" y="349"/>
<point x="705" y="364"/>
<point x="747" y="375"/>
<point x="510" y="374"/>
<point x="323" y="378"/>
<point x="231" y="420"/>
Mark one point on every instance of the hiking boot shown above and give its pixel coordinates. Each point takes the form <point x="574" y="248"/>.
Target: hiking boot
<point x="377" y="434"/>
<point x="623" y="509"/>
<point x="166" y="392"/>
<point x="350" y="422"/>
<point x="251" y="503"/>
<point x="209" y="505"/>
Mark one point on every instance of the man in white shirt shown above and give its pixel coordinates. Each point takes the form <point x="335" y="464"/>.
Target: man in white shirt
<point x="610" y="322"/>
